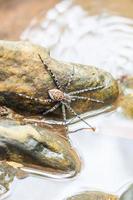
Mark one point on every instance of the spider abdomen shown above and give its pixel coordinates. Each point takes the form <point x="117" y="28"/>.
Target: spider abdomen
<point x="56" y="95"/>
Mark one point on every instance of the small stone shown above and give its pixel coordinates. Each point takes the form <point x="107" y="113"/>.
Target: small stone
<point x="127" y="82"/>
<point x="126" y="105"/>
<point x="93" y="195"/>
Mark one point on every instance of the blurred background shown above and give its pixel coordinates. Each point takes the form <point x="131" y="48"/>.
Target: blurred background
<point x="15" y="15"/>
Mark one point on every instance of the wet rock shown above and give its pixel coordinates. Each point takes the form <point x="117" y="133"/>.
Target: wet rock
<point x="21" y="71"/>
<point x="128" y="82"/>
<point x="128" y="194"/>
<point x="7" y="175"/>
<point x="93" y="195"/>
<point x="126" y="105"/>
<point x="38" y="149"/>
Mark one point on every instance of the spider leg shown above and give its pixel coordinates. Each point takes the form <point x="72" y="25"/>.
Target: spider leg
<point x="70" y="80"/>
<point x="73" y="112"/>
<point x="35" y="99"/>
<point x="55" y="80"/>
<point x="86" y="90"/>
<point x="64" y="116"/>
<point x="52" y="109"/>
<point x="86" y="98"/>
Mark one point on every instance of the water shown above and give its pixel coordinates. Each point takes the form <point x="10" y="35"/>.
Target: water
<point x="104" y="40"/>
<point x="102" y="36"/>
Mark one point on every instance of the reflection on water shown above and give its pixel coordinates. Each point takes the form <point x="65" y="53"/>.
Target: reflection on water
<point x="103" y="38"/>
<point x="107" y="165"/>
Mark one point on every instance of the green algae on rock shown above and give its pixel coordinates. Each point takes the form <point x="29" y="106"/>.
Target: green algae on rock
<point x="38" y="149"/>
<point x="21" y="71"/>
<point x="93" y="195"/>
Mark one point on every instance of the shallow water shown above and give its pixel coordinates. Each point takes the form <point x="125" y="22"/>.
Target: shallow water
<point x="99" y="34"/>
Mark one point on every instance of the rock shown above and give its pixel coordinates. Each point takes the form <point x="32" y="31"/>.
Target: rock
<point x="96" y="195"/>
<point x="7" y="174"/>
<point x="38" y="149"/>
<point x="126" y="104"/>
<point x="128" y="194"/>
<point x="21" y="71"/>
<point x="128" y="82"/>
<point x="93" y="195"/>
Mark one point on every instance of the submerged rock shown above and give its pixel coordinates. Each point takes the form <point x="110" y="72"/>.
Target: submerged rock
<point x="21" y="71"/>
<point x="38" y="150"/>
<point x="7" y="175"/>
<point x="93" y="195"/>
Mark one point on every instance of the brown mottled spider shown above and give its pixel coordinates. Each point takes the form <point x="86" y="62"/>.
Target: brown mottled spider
<point x="59" y="96"/>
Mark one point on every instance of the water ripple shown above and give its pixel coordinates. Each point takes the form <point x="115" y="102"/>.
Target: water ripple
<point x="103" y="40"/>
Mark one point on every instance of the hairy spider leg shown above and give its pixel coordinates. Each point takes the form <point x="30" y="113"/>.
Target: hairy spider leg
<point x="86" y="98"/>
<point x="35" y="99"/>
<point x="55" y="80"/>
<point x="52" y="109"/>
<point x="74" y="98"/>
<point x="64" y="116"/>
<point x="73" y="112"/>
<point x="86" y="90"/>
<point x="70" y="80"/>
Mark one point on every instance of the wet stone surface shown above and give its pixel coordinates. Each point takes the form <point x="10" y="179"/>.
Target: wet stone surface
<point x="126" y="105"/>
<point x="128" y="82"/>
<point x="38" y="149"/>
<point x="21" y="72"/>
<point x="7" y="175"/>
<point x="93" y="195"/>
<point x="97" y="195"/>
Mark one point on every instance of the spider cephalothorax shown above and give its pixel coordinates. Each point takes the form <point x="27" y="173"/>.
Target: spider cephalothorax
<point x="60" y="97"/>
<point x="56" y="95"/>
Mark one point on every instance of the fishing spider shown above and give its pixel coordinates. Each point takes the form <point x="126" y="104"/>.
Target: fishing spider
<point x="59" y="96"/>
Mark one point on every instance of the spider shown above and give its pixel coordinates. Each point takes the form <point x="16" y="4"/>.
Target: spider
<point x="59" y="96"/>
